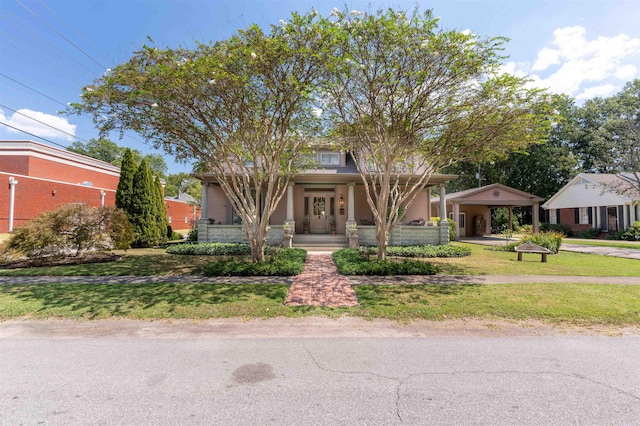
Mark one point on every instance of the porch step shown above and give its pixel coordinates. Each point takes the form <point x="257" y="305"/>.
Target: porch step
<point x="322" y="242"/>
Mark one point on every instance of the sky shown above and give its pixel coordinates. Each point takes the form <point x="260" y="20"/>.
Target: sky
<point x="50" y="49"/>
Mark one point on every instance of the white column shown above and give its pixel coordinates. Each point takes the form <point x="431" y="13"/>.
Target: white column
<point x="12" y="196"/>
<point x="428" y="218"/>
<point x="632" y="218"/>
<point x="102" y="194"/>
<point x="535" y="216"/>
<point x="625" y="217"/>
<point x="456" y="218"/>
<point x="596" y="217"/>
<point x="204" y="201"/>
<point x="351" y="210"/>
<point x="290" y="203"/>
<point x="443" y="205"/>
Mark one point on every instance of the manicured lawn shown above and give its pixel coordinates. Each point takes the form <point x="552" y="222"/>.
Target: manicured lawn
<point x="558" y="303"/>
<point x="603" y="243"/>
<point x="484" y="261"/>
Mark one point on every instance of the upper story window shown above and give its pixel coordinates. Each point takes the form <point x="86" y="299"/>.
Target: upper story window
<point x="330" y="158"/>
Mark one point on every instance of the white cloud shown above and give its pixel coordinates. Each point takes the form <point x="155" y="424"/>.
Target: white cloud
<point x="546" y="58"/>
<point x="597" y="91"/>
<point x="577" y="66"/>
<point x="21" y="120"/>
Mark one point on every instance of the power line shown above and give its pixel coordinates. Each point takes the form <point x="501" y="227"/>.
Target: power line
<point x="31" y="134"/>
<point x="61" y="35"/>
<point x="43" y="123"/>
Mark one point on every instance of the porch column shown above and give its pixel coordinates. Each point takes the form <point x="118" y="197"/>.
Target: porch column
<point x="204" y="201"/>
<point x="428" y="218"/>
<point x="443" y="205"/>
<point x="351" y="210"/>
<point x="632" y="218"/>
<point x="290" y="203"/>
<point x="535" y="215"/>
<point x="12" y="198"/>
<point x="625" y="217"/>
<point x="456" y="218"/>
<point x="510" y="220"/>
<point x="596" y="217"/>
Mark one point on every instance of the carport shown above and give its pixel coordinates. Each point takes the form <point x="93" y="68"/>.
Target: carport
<point x="471" y="208"/>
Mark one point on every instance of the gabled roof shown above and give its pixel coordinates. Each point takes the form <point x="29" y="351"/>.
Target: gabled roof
<point x="495" y="194"/>
<point x="595" y="189"/>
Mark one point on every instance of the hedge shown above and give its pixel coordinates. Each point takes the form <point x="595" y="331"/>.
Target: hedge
<point x="428" y="251"/>
<point x="286" y="262"/>
<point x="352" y="262"/>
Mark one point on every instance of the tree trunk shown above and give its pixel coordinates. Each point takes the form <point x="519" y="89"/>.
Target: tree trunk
<point x="382" y="238"/>
<point x="257" y="243"/>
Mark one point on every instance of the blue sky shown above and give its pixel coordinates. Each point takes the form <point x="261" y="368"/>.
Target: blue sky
<point x="50" y="49"/>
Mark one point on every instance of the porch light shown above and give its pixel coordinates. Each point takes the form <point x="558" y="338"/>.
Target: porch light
<point x="341" y="202"/>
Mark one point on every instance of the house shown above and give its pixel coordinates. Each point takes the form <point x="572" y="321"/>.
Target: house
<point x="321" y="202"/>
<point x="40" y="177"/>
<point x="471" y="208"/>
<point x="607" y="202"/>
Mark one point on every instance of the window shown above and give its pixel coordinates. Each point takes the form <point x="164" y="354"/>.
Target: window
<point x="186" y="218"/>
<point x="584" y="215"/>
<point x="170" y="218"/>
<point x="553" y="218"/>
<point x="330" y="159"/>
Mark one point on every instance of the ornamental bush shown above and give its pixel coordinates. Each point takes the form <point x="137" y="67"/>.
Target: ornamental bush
<point x="352" y="262"/>
<point x="211" y="249"/>
<point x="631" y="233"/>
<point x="286" y="262"/>
<point x="551" y="240"/>
<point x="427" y="251"/>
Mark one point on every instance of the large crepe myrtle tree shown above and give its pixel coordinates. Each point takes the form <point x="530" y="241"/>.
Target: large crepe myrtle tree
<point x="409" y="98"/>
<point x="240" y="107"/>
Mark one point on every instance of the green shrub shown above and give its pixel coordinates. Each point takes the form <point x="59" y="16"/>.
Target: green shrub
<point x="351" y="262"/>
<point x="192" y="237"/>
<point x="591" y="233"/>
<point x="452" y="227"/>
<point x="557" y="227"/>
<point x="429" y="251"/>
<point x="551" y="240"/>
<point x="286" y="262"/>
<point x="631" y="233"/>
<point x="525" y="229"/>
<point x="211" y="249"/>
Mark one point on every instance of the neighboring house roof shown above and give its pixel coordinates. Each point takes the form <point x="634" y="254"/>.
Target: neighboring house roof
<point x="593" y="190"/>
<point x="183" y="197"/>
<point x="495" y="194"/>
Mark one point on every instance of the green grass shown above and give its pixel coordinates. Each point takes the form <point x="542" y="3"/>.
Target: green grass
<point x="484" y="261"/>
<point x="579" y="304"/>
<point x="603" y="243"/>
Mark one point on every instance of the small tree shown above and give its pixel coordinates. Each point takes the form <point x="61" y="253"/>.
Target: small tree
<point x="161" y="210"/>
<point x="124" y="192"/>
<point x="143" y="207"/>
<point x="71" y="230"/>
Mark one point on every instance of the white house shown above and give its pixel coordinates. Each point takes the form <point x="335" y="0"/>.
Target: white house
<point x="606" y="201"/>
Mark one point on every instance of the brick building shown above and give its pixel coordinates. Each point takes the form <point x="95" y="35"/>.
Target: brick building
<point x="38" y="177"/>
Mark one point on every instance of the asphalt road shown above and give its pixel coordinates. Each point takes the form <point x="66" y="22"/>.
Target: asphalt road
<point x="181" y="377"/>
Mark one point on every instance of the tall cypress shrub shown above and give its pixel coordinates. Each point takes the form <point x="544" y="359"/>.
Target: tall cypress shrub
<point x="125" y="184"/>
<point x="143" y="208"/>
<point x="161" y="210"/>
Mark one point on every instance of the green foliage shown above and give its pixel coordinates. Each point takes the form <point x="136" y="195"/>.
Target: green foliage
<point x="192" y="237"/>
<point x="182" y="183"/>
<point x="452" y="226"/>
<point x="351" y="262"/>
<point x="212" y="249"/>
<point x="425" y="251"/>
<point x="124" y="192"/>
<point x="160" y="210"/>
<point x="286" y="262"/>
<point x="142" y="211"/>
<point x="551" y="240"/>
<point x="557" y="227"/>
<point x="500" y="219"/>
<point x="591" y="233"/>
<point x="70" y="230"/>
<point x="631" y="233"/>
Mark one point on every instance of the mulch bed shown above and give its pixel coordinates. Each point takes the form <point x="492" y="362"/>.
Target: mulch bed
<point x="86" y="258"/>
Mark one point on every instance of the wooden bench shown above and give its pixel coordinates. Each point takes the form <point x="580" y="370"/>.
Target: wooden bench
<point x="529" y="247"/>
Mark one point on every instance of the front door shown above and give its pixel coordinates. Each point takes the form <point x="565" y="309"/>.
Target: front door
<point x="319" y="223"/>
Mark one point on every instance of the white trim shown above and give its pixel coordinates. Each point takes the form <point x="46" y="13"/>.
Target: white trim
<point x="57" y="181"/>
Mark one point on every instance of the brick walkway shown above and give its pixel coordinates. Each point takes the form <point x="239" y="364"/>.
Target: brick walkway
<point x="319" y="284"/>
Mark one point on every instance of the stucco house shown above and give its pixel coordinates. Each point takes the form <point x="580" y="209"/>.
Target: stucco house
<point x="608" y="202"/>
<point x="40" y="177"/>
<point x="471" y="208"/>
<point x="322" y="202"/>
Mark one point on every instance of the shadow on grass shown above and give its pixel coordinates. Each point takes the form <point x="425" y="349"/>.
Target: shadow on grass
<point x="92" y="301"/>
<point x="392" y="295"/>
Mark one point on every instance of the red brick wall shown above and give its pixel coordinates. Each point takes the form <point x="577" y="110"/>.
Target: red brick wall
<point x="33" y="196"/>
<point x="14" y="164"/>
<point x="568" y="217"/>
<point x="47" y="169"/>
<point x="177" y="211"/>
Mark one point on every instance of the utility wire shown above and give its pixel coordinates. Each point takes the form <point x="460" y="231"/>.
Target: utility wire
<point x="31" y="134"/>
<point x="61" y="35"/>
<point x="43" y="123"/>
